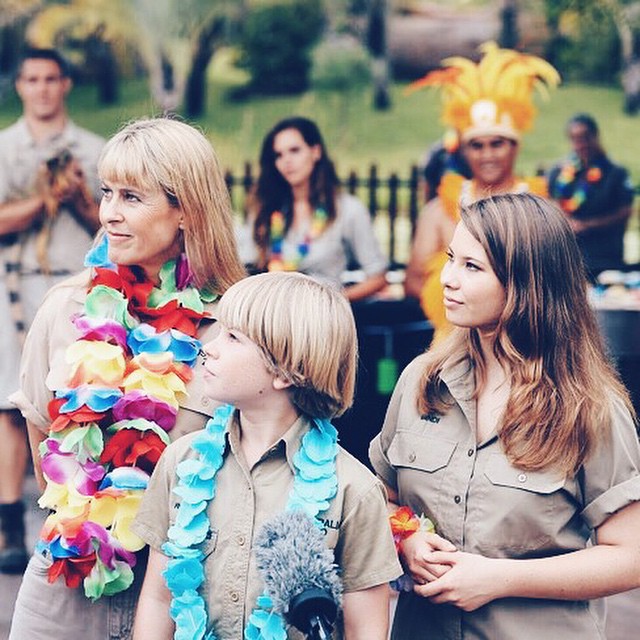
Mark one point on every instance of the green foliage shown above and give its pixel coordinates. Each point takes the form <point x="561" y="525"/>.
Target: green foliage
<point x="276" y="43"/>
<point x="340" y="64"/>
<point x="591" y="51"/>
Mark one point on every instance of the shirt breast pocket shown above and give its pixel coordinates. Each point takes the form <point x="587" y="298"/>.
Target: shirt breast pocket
<point x="421" y="462"/>
<point x="526" y="507"/>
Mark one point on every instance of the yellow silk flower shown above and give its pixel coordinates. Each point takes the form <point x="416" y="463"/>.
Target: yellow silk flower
<point x="115" y="510"/>
<point x="94" y="362"/>
<point x="156" y="375"/>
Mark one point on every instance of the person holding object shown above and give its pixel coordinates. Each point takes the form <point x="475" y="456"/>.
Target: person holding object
<point x="515" y="437"/>
<point x="113" y="370"/>
<point x="282" y="375"/>
<point x="596" y="195"/>
<point x="48" y="215"/>
<point x="489" y="105"/>
<point x="300" y="220"/>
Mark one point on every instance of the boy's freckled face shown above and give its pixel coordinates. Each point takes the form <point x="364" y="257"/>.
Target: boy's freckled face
<point x="235" y="370"/>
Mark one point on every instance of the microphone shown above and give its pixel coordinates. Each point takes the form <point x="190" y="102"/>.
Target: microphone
<point x="299" y="573"/>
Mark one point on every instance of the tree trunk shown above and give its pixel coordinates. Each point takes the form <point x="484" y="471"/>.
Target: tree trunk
<point x="509" y="37"/>
<point x="377" y="45"/>
<point x="196" y="90"/>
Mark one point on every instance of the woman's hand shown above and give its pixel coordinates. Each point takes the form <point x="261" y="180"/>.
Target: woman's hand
<point x="416" y="554"/>
<point x="467" y="580"/>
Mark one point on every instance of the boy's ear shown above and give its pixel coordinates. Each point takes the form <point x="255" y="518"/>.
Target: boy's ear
<point x="280" y="383"/>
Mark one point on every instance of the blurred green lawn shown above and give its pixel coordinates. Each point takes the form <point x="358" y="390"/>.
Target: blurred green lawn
<point x="356" y="135"/>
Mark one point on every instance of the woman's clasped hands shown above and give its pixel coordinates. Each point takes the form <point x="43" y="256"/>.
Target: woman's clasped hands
<point x="443" y="574"/>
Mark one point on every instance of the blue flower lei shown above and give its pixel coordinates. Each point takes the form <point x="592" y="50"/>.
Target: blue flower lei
<point x="315" y="483"/>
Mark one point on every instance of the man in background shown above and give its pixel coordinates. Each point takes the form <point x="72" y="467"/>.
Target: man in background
<point x="48" y="215"/>
<point x="596" y="194"/>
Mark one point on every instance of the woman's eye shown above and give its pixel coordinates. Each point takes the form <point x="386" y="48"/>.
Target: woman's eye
<point x="131" y="197"/>
<point x="106" y="192"/>
<point x="449" y="256"/>
<point x="472" y="267"/>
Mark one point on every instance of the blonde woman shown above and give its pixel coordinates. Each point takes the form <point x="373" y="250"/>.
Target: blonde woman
<point x="516" y="439"/>
<point x="112" y="371"/>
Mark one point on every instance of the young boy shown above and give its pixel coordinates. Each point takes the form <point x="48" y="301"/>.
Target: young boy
<point x="283" y="363"/>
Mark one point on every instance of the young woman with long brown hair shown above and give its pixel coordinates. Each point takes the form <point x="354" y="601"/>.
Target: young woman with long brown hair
<point x="300" y="220"/>
<point x="516" y="439"/>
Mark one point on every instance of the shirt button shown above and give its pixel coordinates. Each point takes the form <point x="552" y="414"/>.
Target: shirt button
<point x="471" y="452"/>
<point x="522" y="477"/>
<point x="234" y="596"/>
<point x="241" y="540"/>
<point x="457" y="499"/>
<point x="205" y="401"/>
<point x="412" y="457"/>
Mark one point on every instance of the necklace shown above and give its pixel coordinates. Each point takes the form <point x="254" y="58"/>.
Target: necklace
<point x="574" y="182"/>
<point x="288" y="258"/>
<point x="314" y="485"/>
<point x="129" y="368"/>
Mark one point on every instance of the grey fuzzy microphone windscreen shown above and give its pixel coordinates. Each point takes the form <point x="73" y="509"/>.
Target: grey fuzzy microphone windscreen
<point x="292" y="558"/>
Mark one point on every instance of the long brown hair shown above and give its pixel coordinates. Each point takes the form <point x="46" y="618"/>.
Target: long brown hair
<point x="562" y="383"/>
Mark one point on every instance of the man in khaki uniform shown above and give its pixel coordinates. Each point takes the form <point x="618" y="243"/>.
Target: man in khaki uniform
<point x="48" y="215"/>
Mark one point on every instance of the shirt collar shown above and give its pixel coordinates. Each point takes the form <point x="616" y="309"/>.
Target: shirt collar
<point x="287" y="445"/>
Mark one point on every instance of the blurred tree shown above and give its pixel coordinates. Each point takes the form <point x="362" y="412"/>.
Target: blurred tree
<point x="175" y="39"/>
<point x="579" y="40"/>
<point x="88" y="32"/>
<point x="377" y="44"/>
<point x="14" y="17"/>
<point x="276" y="43"/>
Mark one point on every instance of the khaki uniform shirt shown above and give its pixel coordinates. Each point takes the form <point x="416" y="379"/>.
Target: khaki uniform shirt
<point x="484" y="505"/>
<point x="44" y="367"/>
<point x="20" y="158"/>
<point x="355" y="525"/>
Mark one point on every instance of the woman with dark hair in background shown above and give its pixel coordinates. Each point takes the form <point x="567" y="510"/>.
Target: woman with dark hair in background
<point x="299" y="218"/>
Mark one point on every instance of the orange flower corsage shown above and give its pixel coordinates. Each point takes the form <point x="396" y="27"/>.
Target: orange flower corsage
<point x="404" y="523"/>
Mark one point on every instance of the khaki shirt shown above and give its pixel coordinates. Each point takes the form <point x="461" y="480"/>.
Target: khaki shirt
<point x="44" y="368"/>
<point x="484" y="505"/>
<point x="20" y="158"/>
<point x="355" y="525"/>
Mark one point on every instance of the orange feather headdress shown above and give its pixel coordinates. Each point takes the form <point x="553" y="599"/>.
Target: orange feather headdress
<point x="493" y="96"/>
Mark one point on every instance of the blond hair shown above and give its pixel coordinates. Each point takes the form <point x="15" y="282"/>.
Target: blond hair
<point x="177" y="158"/>
<point x="562" y="383"/>
<point x="306" y="333"/>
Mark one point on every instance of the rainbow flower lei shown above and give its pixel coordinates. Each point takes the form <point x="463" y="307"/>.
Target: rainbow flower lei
<point x="129" y="369"/>
<point x="278" y="261"/>
<point x="573" y="182"/>
<point x="315" y="483"/>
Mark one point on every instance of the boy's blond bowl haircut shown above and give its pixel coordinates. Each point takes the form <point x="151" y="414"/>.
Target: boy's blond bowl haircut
<point x="177" y="158"/>
<point x="306" y="333"/>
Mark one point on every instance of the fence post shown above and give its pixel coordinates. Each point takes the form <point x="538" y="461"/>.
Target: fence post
<point x="373" y="190"/>
<point x="352" y="182"/>
<point x="414" y="182"/>
<point x="394" y="183"/>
